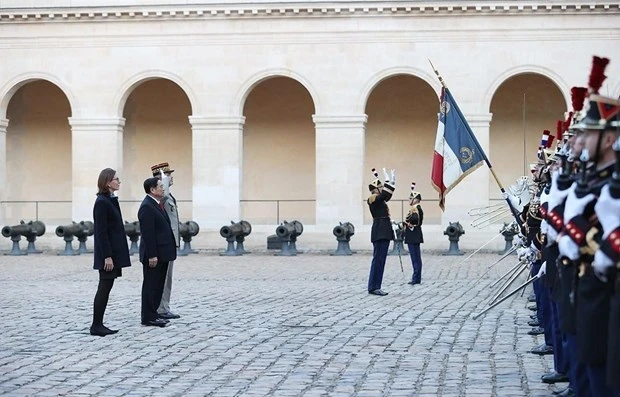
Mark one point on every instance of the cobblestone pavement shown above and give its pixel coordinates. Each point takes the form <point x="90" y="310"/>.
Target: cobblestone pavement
<point x="261" y="325"/>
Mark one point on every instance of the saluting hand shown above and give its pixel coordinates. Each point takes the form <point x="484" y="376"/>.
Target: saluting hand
<point x="108" y="265"/>
<point x="152" y="262"/>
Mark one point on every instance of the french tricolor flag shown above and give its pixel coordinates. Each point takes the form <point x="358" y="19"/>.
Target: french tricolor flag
<point x="457" y="151"/>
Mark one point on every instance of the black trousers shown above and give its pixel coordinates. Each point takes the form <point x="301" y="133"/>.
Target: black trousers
<point x="152" y="289"/>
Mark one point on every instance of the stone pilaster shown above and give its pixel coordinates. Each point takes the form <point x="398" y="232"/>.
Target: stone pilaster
<point x="96" y="143"/>
<point x="217" y="144"/>
<point x="4" y="123"/>
<point x="473" y="191"/>
<point x="339" y="168"/>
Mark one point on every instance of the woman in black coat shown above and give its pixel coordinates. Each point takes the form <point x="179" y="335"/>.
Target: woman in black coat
<point x="111" y="253"/>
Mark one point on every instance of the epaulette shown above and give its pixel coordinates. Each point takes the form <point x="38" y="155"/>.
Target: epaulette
<point x="372" y="198"/>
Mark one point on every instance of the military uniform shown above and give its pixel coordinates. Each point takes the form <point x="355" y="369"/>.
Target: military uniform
<point x="413" y="234"/>
<point x="584" y="236"/>
<point x="381" y="232"/>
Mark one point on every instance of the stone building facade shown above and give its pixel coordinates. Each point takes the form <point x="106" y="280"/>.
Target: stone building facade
<point x="270" y="111"/>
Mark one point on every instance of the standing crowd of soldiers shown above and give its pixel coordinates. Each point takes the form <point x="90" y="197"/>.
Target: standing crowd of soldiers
<point x="571" y="237"/>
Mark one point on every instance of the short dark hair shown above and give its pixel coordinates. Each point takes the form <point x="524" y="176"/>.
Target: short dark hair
<point x="105" y="176"/>
<point x="150" y="183"/>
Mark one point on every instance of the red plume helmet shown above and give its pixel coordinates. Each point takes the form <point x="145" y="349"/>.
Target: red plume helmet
<point x="578" y="96"/>
<point x="597" y="74"/>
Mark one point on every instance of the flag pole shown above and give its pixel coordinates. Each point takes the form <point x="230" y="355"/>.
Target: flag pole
<point x="513" y="210"/>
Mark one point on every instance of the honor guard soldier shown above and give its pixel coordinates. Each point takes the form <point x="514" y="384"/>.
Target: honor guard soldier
<point x="381" y="233"/>
<point x="583" y="232"/>
<point x="413" y="234"/>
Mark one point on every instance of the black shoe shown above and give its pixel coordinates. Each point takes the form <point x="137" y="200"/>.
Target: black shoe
<point x="99" y="330"/>
<point x="534" y="316"/>
<point x="110" y="331"/>
<point x="377" y="292"/>
<point x="163" y="319"/>
<point x="536" y="331"/>
<point x="411" y="282"/>
<point x="168" y="315"/>
<point x="554" y="377"/>
<point x="568" y="392"/>
<point x="155" y="323"/>
<point x="532" y="308"/>
<point x="533" y="323"/>
<point x="542" y="350"/>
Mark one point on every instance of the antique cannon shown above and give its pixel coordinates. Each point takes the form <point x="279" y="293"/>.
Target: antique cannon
<point x="132" y="230"/>
<point x="235" y="233"/>
<point x="343" y="233"/>
<point x="87" y="229"/>
<point x="30" y="230"/>
<point x="67" y="232"/>
<point x="188" y="230"/>
<point x="509" y="231"/>
<point x="288" y="233"/>
<point x="454" y="232"/>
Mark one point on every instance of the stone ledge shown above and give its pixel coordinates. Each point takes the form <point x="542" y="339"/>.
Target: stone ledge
<point x="82" y="14"/>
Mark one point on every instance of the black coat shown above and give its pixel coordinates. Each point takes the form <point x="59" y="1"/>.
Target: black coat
<point x="413" y="225"/>
<point x="110" y="239"/>
<point x="381" y="223"/>
<point x="157" y="239"/>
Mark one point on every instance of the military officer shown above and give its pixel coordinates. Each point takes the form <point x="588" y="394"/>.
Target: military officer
<point x="381" y="233"/>
<point x="413" y="234"/>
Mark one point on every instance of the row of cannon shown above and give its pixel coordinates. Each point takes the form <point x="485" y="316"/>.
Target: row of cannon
<point x="284" y="239"/>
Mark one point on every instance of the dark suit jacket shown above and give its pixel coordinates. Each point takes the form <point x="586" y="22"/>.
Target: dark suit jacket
<point x="156" y="238"/>
<point x="110" y="239"/>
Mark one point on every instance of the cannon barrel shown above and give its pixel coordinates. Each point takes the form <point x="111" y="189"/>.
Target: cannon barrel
<point x="239" y="229"/>
<point x="132" y="229"/>
<point x="189" y="228"/>
<point x="344" y="230"/>
<point x="289" y="229"/>
<point x="233" y="230"/>
<point x="68" y="230"/>
<point x="37" y="227"/>
<point x="455" y="229"/>
<point x="17" y="230"/>
<point x="86" y="228"/>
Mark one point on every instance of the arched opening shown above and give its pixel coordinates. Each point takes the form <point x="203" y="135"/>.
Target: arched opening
<point x="157" y="130"/>
<point x="279" y="175"/>
<point x="523" y="107"/>
<point x="38" y="153"/>
<point x="400" y="134"/>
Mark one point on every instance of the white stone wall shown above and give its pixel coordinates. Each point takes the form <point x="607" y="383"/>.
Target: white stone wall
<point x="339" y="51"/>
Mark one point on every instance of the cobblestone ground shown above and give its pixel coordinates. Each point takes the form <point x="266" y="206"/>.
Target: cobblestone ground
<point x="261" y="325"/>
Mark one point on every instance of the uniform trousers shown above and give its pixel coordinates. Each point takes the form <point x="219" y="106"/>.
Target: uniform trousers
<point x="379" y="256"/>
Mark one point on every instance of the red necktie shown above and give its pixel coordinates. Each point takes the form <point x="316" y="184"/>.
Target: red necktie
<point x="161" y="205"/>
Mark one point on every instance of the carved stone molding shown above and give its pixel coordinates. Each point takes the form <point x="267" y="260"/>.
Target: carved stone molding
<point x="292" y="10"/>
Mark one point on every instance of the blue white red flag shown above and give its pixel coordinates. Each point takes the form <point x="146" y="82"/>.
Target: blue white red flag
<point x="457" y="151"/>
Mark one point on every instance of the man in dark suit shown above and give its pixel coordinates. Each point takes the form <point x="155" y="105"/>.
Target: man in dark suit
<point x="157" y="249"/>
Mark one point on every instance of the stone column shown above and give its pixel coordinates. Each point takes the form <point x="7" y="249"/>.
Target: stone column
<point x="217" y="145"/>
<point x="473" y="191"/>
<point x="4" y="123"/>
<point x="339" y="168"/>
<point x="96" y="143"/>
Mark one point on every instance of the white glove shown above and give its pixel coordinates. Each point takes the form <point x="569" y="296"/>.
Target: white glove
<point x="543" y="270"/>
<point x="518" y="240"/>
<point x="393" y="176"/>
<point x="552" y="235"/>
<point x="568" y="247"/>
<point x="386" y="176"/>
<point x="575" y="205"/>
<point x="602" y="263"/>
<point x="544" y="227"/>
<point x="513" y="200"/>
<point x="607" y="209"/>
